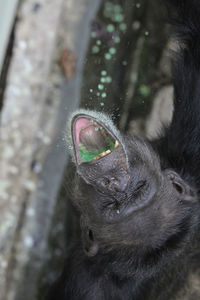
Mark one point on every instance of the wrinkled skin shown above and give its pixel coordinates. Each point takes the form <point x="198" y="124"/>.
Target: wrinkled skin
<point x="138" y="205"/>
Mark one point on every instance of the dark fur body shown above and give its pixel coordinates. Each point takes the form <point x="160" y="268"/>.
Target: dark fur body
<point x="137" y="258"/>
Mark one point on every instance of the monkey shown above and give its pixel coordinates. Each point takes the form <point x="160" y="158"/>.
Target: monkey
<point x="138" y="200"/>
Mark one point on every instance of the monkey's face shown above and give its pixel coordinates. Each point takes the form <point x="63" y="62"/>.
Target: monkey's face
<point x="124" y="197"/>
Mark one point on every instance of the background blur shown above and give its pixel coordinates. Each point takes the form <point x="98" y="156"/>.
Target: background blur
<point x="57" y="56"/>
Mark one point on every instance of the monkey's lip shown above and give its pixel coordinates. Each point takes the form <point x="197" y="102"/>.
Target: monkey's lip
<point x="92" y="139"/>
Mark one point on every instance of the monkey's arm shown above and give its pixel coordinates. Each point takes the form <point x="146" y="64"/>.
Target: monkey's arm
<point x="182" y="142"/>
<point x="79" y="280"/>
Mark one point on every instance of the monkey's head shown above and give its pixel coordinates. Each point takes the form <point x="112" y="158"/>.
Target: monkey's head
<point x="124" y="197"/>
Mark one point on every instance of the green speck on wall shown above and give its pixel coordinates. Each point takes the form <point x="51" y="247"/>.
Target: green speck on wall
<point x="108" y="79"/>
<point x="95" y="49"/>
<point x="103" y="73"/>
<point x="145" y="91"/>
<point x="100" y="86"/>
<point x="112" y="50"/>
<point x="107" y="56"/>
<point x="122" y="26"/>
<point x="103" y="80"/>
<point x="118" y="18"/>
<point x="116" y="39"/>
<point x="110" y="28"/>
<point x="98" y="42"/>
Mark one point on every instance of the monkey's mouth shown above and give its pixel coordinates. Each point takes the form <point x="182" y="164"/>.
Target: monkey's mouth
<point x="92" y="140"/>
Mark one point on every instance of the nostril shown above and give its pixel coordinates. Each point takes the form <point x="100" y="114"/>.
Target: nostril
<point x="178" y="187"/>
<point x="114" y="184"/>
<point x="105" y="182"/>
<point x="108" y="183"/>
<point x="90" y="235"/>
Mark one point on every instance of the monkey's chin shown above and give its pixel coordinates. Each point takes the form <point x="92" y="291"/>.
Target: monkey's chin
<point x="92" y="139"/>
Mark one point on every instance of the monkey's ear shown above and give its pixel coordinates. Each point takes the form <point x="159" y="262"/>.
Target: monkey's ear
<point x="90" y="245"/>
<point x="99" y="151"/>
<point x="183" y="190"/>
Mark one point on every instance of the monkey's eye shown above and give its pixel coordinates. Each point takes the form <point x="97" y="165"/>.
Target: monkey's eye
<point x="139" y="186"/>
<point x="112" y="208"/>
<point x="92" y="139"/>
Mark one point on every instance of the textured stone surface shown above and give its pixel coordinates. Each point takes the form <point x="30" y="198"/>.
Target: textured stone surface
<point x="37" y="102"/>
<point x="24" y="98"/>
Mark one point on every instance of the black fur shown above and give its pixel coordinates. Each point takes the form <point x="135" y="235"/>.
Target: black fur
<point x="140" y="238"/>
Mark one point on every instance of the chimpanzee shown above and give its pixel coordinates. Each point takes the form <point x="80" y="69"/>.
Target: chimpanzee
<point x="138" y="200"/>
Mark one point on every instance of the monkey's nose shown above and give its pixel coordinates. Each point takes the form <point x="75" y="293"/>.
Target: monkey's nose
<point x="114" y="184"/>
<point x="119" y="184"/>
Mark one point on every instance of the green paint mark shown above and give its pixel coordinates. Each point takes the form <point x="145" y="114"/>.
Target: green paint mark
<point x="98" y="94"/>
<point x="110" y="28"/>
<point x="103" y="80"/>
<point x="112" y="50"/>
<point x="95" y="49"/>
<point x="118" y="18"/>
<point x="108" y="79"/>
<point x="117" y="39"/>
<point x="107" y="56"/>
<point x="98" y="42"/>
<point x="102" y="104"/>
<point x="91" y="90"/>
<point x="145" y="91"/>
<point x="103" y="73"/>
<point x="122" y="26"/>
<point x="100" y="86"/>
<point x="103" y="95"/>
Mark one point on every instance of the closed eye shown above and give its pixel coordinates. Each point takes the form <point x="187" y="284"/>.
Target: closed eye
<point x="140" y="185"/>
<point x="111" y="204"/>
